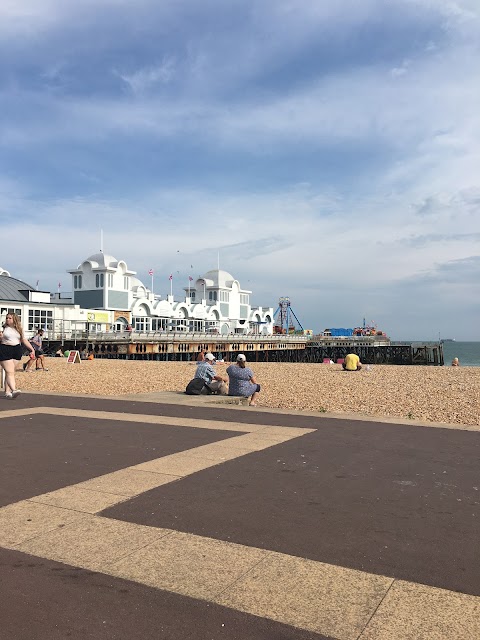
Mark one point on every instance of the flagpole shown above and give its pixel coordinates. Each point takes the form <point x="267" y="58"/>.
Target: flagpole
<point x="171" y="284"/>
<point x="152" y="285"/>
<point x="189" y="287"/>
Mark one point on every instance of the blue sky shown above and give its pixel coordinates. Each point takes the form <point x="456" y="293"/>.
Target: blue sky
<point x="329" y="151"/>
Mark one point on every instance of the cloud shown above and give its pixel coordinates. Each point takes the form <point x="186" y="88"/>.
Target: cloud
<point x="329" y="151"/>
<point x="144" y="79"/>
<point x="421" y="241"/>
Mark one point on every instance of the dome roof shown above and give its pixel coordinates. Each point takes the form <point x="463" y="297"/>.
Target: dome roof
<point x="13" y="289"/>
<point x="135" y="283"/>
<point x="102" y="260"/>
<point x="219" y="278"/>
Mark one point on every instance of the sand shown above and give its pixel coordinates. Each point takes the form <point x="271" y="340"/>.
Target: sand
<point x="435" y="394"/>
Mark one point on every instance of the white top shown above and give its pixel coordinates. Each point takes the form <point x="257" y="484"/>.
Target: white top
<point x="11" y="337"/>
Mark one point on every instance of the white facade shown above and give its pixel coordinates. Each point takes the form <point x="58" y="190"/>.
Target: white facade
<point x="39" y="309"/>
<point x="107" y="296"/>
<point x="214" y="304"/>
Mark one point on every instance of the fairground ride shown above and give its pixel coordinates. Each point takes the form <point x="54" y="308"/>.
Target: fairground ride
<point x="285" y="319"/>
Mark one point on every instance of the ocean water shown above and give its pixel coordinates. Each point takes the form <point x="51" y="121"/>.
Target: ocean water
<point x="468" y="353"/>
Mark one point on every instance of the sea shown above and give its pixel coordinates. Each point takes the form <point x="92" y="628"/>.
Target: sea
<point x="468" y="353"/>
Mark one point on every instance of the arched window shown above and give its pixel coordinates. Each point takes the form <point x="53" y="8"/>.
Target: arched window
<point x="79" y="282"/>
<point x="97" y="280"/>
<point x="102" y="280"/>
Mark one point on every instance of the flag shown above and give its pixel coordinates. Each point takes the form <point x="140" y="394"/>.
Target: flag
<point x="38" y="282"/>
<point x="170" y="277"/>
<point x="150" y="272"/>
<point x="59" y="285"/>
<point x="190" y="278"/>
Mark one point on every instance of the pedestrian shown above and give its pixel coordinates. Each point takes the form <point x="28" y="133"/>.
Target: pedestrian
<point x="37" y="344"/>
<point x="11" y="352"/>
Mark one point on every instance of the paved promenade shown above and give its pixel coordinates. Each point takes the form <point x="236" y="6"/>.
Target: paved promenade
<point x="128" y="518"/>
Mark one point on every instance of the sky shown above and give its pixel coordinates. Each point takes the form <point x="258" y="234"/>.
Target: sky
<point x="326" y="151"/>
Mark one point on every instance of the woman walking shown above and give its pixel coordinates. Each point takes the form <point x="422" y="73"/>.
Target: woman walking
<point x="242" y="380"/>
<point x="11" y="351"/>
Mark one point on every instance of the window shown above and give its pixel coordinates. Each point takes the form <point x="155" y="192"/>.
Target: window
<point x="5" y="312"/>
<point x="79" y="282"/>
<point x="75" y="282"/>
<point x="99" y="280"/>
<point x="224" y="296"/>
<point x="159" y="324"/>
<point x="212" y="296"/>
<point x="244" y="298"/>
<point x="141" y="324"/>
<point x="125" y="283"/>
<point x="192" y="295"/>
<point x="110" y="280"/>
<point x="40" y="319"/>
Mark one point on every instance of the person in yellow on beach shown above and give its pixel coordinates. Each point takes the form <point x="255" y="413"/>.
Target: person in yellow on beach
<point x="352" y="362"/>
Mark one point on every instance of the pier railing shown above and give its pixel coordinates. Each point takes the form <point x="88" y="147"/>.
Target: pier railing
<point x="175" y="336"/>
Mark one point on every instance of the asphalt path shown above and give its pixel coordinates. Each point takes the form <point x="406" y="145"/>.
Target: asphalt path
<point x="394" y="500"/>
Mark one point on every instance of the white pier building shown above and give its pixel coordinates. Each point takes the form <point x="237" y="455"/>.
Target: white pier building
<point x="107" y="296"/>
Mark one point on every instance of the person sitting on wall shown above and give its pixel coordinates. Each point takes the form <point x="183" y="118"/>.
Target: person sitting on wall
<point x="352" y="362"/>
<point x="242" y="380"/>
<point x="206" y="372"/>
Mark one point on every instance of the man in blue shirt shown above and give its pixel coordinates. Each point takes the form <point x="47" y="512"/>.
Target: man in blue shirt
<point x="206" y="372"/>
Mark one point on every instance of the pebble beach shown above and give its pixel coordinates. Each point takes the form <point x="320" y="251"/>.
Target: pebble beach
<point x="432" y="394"/>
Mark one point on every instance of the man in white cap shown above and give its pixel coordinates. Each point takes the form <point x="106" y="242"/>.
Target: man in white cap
<point x="206" y="372"/>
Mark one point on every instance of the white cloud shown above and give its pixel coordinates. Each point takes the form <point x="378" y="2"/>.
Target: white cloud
<point x="144" y="79"/>
<point x="396" y="221"/>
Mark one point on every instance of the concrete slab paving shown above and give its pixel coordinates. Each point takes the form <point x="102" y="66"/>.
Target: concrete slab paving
<point x="79" y="499"/>
<point x="25" y="520"/>
<point x="178" y="465"/>
<point x="93" y="543"/>
<point x="127" y="482"/>
<point x="188" y="564"/>
<point x="412" y="611"/>
<point x="309" y="595"/>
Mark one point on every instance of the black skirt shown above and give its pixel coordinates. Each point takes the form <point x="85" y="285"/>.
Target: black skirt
<point x="7" y="352"/>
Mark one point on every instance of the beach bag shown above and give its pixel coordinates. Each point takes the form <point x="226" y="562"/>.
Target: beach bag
<point x="196" y="387"/>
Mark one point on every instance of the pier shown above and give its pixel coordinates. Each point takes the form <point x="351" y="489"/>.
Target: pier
<point x="184" y="346"/>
